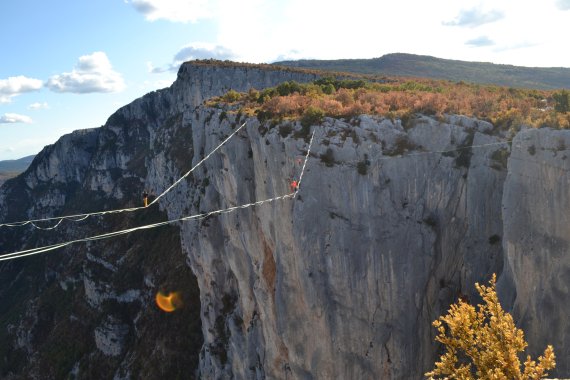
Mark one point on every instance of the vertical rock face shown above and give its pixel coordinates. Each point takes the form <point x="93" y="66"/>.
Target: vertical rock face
<point x="200" y="81"/>
<point x="392" y="223"/>
<point x="344" y="281"/>
<point x="536" y="211"/>
<point x="88" y="311"/>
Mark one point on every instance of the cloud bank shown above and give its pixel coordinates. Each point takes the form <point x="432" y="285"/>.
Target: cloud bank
<point x="480" y="42"/>
<point x="14" y="86"/>
<point x="93" y="73"/>
<point x="38" y="106"/>
<point x="475" y="17"/>
<point x="173" y="10"/>
<point x="194" y="51"/>
<point x="563" y="4"/>
<point x="11" y="118"/>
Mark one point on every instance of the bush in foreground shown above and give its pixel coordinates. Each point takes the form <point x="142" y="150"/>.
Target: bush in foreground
<point x="485" y="343"/>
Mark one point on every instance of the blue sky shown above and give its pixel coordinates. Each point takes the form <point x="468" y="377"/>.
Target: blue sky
<point x="68" y="65"/>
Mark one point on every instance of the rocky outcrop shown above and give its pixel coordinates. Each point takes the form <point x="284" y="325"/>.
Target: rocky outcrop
<point x="88" y="311"/>
<point x="393" y="222"/>
<point x="202" y="80"/>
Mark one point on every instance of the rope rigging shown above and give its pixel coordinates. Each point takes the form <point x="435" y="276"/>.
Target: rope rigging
<point x="291" y="195"/>
<point x="81" y="217"/>
<point x="38" y="250"/>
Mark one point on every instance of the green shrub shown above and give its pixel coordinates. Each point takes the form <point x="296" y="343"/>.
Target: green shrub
<point x="252" y="95"/>
<point x="328" y="158"/>
<point x="499" y="159"/>
<point x="231" y="96"/>
<point x="312" y="116"/>
<point x="562" y="101"/>
<point x="328" y="89"/>
<point x="263" y="116"/>
<point x="362" y="167"/>
<point x="401" y="146"/>
<point x="266" y="95"/>
<point x="285" y="130"/>
<point x="303" y="133"/>
<point x="494" y="239"/>
<point x="287" y="88"/>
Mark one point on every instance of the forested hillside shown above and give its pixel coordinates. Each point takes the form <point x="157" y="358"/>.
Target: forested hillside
<point x="411" y="65"/>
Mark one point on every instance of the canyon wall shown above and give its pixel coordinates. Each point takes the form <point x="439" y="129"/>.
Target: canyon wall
<point x="393" y="222"/>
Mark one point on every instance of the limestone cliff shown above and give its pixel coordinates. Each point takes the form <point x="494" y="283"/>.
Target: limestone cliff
<point x="392" y="223"/>
<point x="536" y="208"/>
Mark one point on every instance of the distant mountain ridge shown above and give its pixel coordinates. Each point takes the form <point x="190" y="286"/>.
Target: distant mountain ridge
<point x="19" y="165"/>
<point x="11" y="168"/>
<point x="411" y="65"/>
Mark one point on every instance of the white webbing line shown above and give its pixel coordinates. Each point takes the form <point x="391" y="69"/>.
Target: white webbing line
<point x="195" y="166"/>
<point x="35" y="251"/>
<point x="304" y="163"/>
<point x="57" y="224"/>
<point x="80" y="217"/>
<point x="47" y="248"/>
<point x="85" y="216"/>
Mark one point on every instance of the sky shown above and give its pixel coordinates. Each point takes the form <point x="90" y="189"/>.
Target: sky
<point x="68" y="65"/>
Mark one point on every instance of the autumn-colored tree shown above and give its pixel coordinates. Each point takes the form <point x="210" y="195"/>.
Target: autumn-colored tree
<point x="485" y="343"/>
<point x="506" y="108"/>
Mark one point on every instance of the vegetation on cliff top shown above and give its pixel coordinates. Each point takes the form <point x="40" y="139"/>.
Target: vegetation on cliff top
<point x="485" y="343"/>
<point x="506" y="108"/>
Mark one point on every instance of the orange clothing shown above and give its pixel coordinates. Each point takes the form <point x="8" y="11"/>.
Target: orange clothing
<point x="294" y="185"/>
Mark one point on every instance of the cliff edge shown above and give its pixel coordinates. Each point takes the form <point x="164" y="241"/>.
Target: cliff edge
<point x="393" y="222"/>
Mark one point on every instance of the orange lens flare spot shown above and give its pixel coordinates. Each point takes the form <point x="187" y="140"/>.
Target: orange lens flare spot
<point x="168" y="302"/>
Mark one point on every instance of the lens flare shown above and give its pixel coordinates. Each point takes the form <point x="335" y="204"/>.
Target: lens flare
<point x="168" y="302"/>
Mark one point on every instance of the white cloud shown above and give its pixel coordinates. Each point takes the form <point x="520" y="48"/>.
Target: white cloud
<point x="192" y="51"/>
<point x="173" y="10"/>
<point x="480" y="42"/>
<point x="291" y="55"/>
<point x="202" y="51"/>
<point x="14" y="86"/>
<point x="10" y="118"/>
<point x="38" y="106"/>
<point x="475" y="17"/>
<point x="93" y="73"/>
<point x="563" y="5"/>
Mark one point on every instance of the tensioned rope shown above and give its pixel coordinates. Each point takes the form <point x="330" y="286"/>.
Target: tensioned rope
<point x="38" y="250"/>
<point x="304" y="164"/>
<point x="80" y="217"/>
